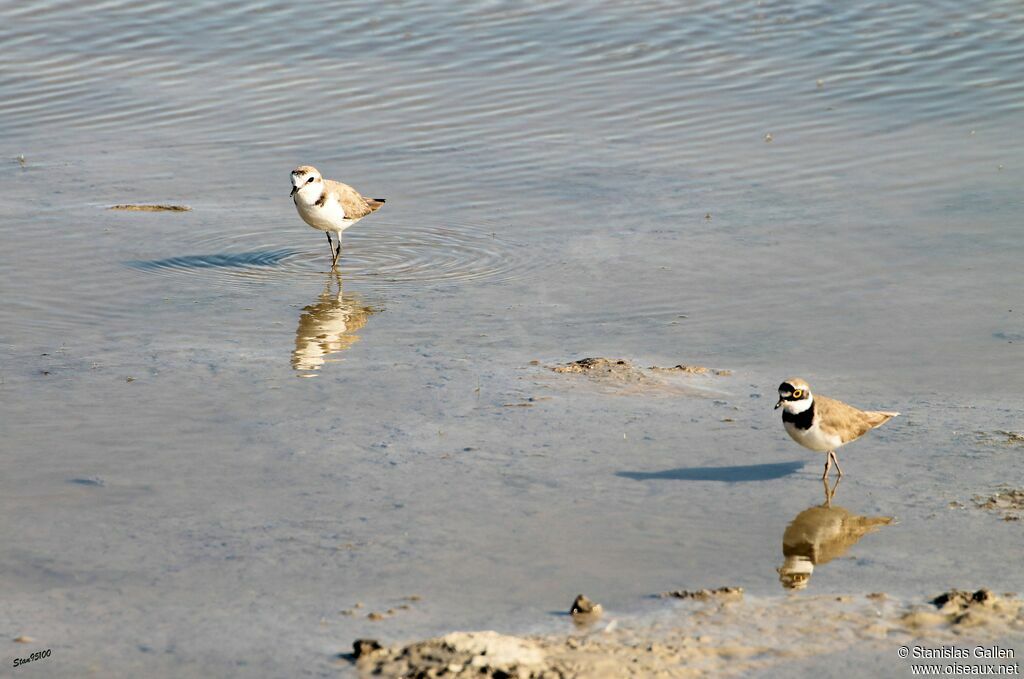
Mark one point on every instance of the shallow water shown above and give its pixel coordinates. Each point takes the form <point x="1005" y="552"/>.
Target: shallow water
<point x="563" y="180"/>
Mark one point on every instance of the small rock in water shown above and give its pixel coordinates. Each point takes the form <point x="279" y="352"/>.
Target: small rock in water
<point x="585" y="612"/>
<point x="768" y="137"/>
<point x="23" y="639"/>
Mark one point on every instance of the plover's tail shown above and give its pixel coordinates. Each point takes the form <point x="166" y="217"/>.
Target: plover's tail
<point x="375" y="203"/>
<point x="876" y="418"/>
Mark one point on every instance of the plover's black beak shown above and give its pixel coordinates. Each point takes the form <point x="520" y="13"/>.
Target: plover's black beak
<point x="779" y="404"/>
<point x="294" y="189"/>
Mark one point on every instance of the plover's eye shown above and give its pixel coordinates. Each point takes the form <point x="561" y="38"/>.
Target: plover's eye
<point x="797" y="393"/>
<point x="310" y="179"/>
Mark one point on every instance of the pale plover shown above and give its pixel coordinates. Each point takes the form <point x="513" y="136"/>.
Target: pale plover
<point x="328" y="205"/>
<point x="824" y="424"/>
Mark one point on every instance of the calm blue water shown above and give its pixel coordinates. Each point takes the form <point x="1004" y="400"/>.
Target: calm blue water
<point x="774" y="188"/>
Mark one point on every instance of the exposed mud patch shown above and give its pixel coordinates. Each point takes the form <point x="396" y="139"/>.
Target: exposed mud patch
<point x="622" y="376"/>
<point x="702" y="638"/>
<point x="605" y="369"/>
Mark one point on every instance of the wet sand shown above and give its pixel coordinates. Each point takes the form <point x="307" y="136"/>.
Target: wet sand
<point x="720" y="635"/>
<point x="213" y="449"/>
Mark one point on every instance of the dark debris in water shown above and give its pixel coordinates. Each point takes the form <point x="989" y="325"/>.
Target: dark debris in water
<point x="720" y="594"/>
<point x="94" y="481"/>
<point x="693" y="370"/>
<point x="1007" y="502"/>
<point x="1001" y="437"/>
<point x="127" y="207"/>
<point x="1010" y="337"/>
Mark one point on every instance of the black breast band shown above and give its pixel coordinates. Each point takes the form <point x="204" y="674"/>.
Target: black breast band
<point x="802" y="420"/>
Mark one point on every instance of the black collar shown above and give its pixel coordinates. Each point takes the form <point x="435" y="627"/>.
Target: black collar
<point x="802" y="420"/>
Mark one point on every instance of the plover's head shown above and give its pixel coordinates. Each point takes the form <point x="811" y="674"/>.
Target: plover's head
<point x="306" y="179"/>
<point x="796" y="572"/>
<point x="794" y="395"/>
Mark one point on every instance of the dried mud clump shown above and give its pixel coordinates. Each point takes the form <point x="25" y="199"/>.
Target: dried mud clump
<point x="720" y="594"/>
<point x="460" y="654"/>
<point x="1008" y="502"/>
<point x="581" y="604"/>
<point x="584" y="611"/>
<point x="362" y="647"/>
<point x="151" y="208"/>
<point x="961" y="608"/>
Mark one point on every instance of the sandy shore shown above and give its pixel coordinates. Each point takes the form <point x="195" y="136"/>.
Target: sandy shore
<point x="710" y="633"/>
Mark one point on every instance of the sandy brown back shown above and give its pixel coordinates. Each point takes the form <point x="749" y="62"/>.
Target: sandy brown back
<point x="352" y="202"/>
<point x="851" y="423"/>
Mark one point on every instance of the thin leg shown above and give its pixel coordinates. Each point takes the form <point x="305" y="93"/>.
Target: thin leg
<point x="832" y="456"/>
<point x="828" y="465"/>
<point x="830" y="491"/>
<point x="334" y="253"/>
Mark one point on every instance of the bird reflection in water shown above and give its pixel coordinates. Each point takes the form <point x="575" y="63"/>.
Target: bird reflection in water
<point x="819" y="534"/>
<point x="327" y="327"/>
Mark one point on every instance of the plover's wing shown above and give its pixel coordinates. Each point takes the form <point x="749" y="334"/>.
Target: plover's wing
<point x="848" y="422"/>
<point x="354" y="205"/>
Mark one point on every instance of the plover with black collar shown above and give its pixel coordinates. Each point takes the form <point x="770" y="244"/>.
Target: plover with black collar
<point x="328" y="205"/>
<point x="824" y="424"/>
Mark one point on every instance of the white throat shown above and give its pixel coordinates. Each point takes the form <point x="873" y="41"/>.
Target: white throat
<point x="310" y="193"/>
<point x="797" y="407"/>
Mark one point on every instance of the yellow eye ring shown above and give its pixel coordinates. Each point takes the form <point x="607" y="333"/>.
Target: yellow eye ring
<point x="798" y="393"/>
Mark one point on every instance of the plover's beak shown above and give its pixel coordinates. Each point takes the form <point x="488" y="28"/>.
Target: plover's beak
<point x="778" y="405"/>
<point x="294" y="189"/>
